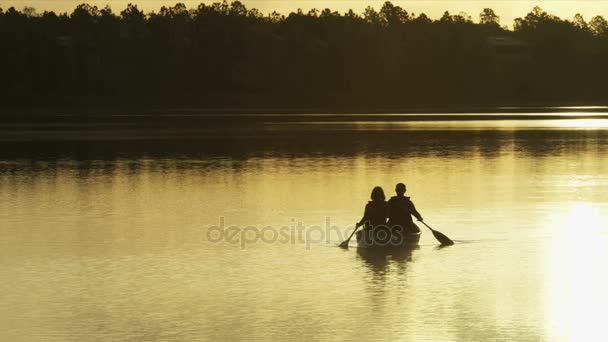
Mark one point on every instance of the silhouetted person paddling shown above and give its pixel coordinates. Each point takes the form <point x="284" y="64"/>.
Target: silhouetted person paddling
<point x="376" y="210"/>
<point x="375" y="215"/>
<point x="400" y="211"/>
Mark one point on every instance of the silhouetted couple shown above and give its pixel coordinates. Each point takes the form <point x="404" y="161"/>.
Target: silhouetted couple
<point x="396" y="213"/>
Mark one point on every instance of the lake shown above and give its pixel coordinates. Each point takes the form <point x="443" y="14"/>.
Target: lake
<point x="230" y="232"/>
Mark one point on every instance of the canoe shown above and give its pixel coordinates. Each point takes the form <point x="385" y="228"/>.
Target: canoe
<point x="383" y="237"/>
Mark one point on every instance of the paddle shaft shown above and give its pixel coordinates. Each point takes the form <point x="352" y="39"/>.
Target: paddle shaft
<point x="427" y="226"/>
<point x="351" y="235"/>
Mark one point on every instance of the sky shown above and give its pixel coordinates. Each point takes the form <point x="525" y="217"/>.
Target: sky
<point x="508" y="10"/>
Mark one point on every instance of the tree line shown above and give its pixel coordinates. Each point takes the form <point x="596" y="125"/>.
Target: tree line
<point x="227" y="55"/>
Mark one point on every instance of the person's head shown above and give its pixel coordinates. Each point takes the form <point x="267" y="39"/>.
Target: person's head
<point x="378" y="194"/>
<point x="400" y="189"/>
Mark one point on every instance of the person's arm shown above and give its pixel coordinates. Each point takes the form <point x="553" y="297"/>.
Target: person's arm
<point x="415" y="212"/>
<point x="365" y="217"/>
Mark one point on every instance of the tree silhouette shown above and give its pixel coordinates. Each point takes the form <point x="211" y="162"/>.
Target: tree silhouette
<point x="488" y="17"/>
<point x="225" y="55"/>
<point x="580" y="22"/>
<point x="391" y="15"/>
<point x="599" y="26"/>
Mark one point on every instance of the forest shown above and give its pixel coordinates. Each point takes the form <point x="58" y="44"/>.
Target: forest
<point x="225" y="55"/>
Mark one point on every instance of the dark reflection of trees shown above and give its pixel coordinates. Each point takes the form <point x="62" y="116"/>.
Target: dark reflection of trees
<point x="326" y="143"/>
<point x="287" y="144"/>
<point x="538" y="143"/>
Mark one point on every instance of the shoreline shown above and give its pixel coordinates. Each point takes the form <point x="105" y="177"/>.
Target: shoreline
<point x="140" y="114"/>
<point x="237" y="127"/>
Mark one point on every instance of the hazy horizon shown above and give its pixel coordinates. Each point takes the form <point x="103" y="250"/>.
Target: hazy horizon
<point x="507" y="10"/>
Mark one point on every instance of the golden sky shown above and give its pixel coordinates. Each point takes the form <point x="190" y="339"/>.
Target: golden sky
<point x="507" y="9"/>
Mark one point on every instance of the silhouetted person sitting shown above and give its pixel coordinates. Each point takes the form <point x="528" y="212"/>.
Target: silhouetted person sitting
<point x="400" y="211"/>
<point x="376" y="210"/>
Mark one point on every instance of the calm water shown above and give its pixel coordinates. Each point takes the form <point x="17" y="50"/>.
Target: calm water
<point x="112" y="238"/>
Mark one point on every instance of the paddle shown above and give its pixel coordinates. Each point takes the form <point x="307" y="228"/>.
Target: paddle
<point x="345" y="243"/>
<point x="445" y="241"/>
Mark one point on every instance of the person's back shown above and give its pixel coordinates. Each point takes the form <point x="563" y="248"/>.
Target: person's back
<point x="376" y="210"/>
<point x="401" y="209"/>
<point x="376" y="213"/>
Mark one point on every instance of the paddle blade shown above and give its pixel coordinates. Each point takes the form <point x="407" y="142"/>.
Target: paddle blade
<point x="445" y="241"/>
<point x="344" y="244"/>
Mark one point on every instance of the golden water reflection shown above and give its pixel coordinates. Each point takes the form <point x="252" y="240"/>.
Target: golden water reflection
<point x="577" y="278"/>
<point x="115" y="246"/>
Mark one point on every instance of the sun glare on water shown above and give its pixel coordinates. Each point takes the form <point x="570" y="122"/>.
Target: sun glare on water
<point x="576" y="283"/>
<point x="582" y="123"/>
